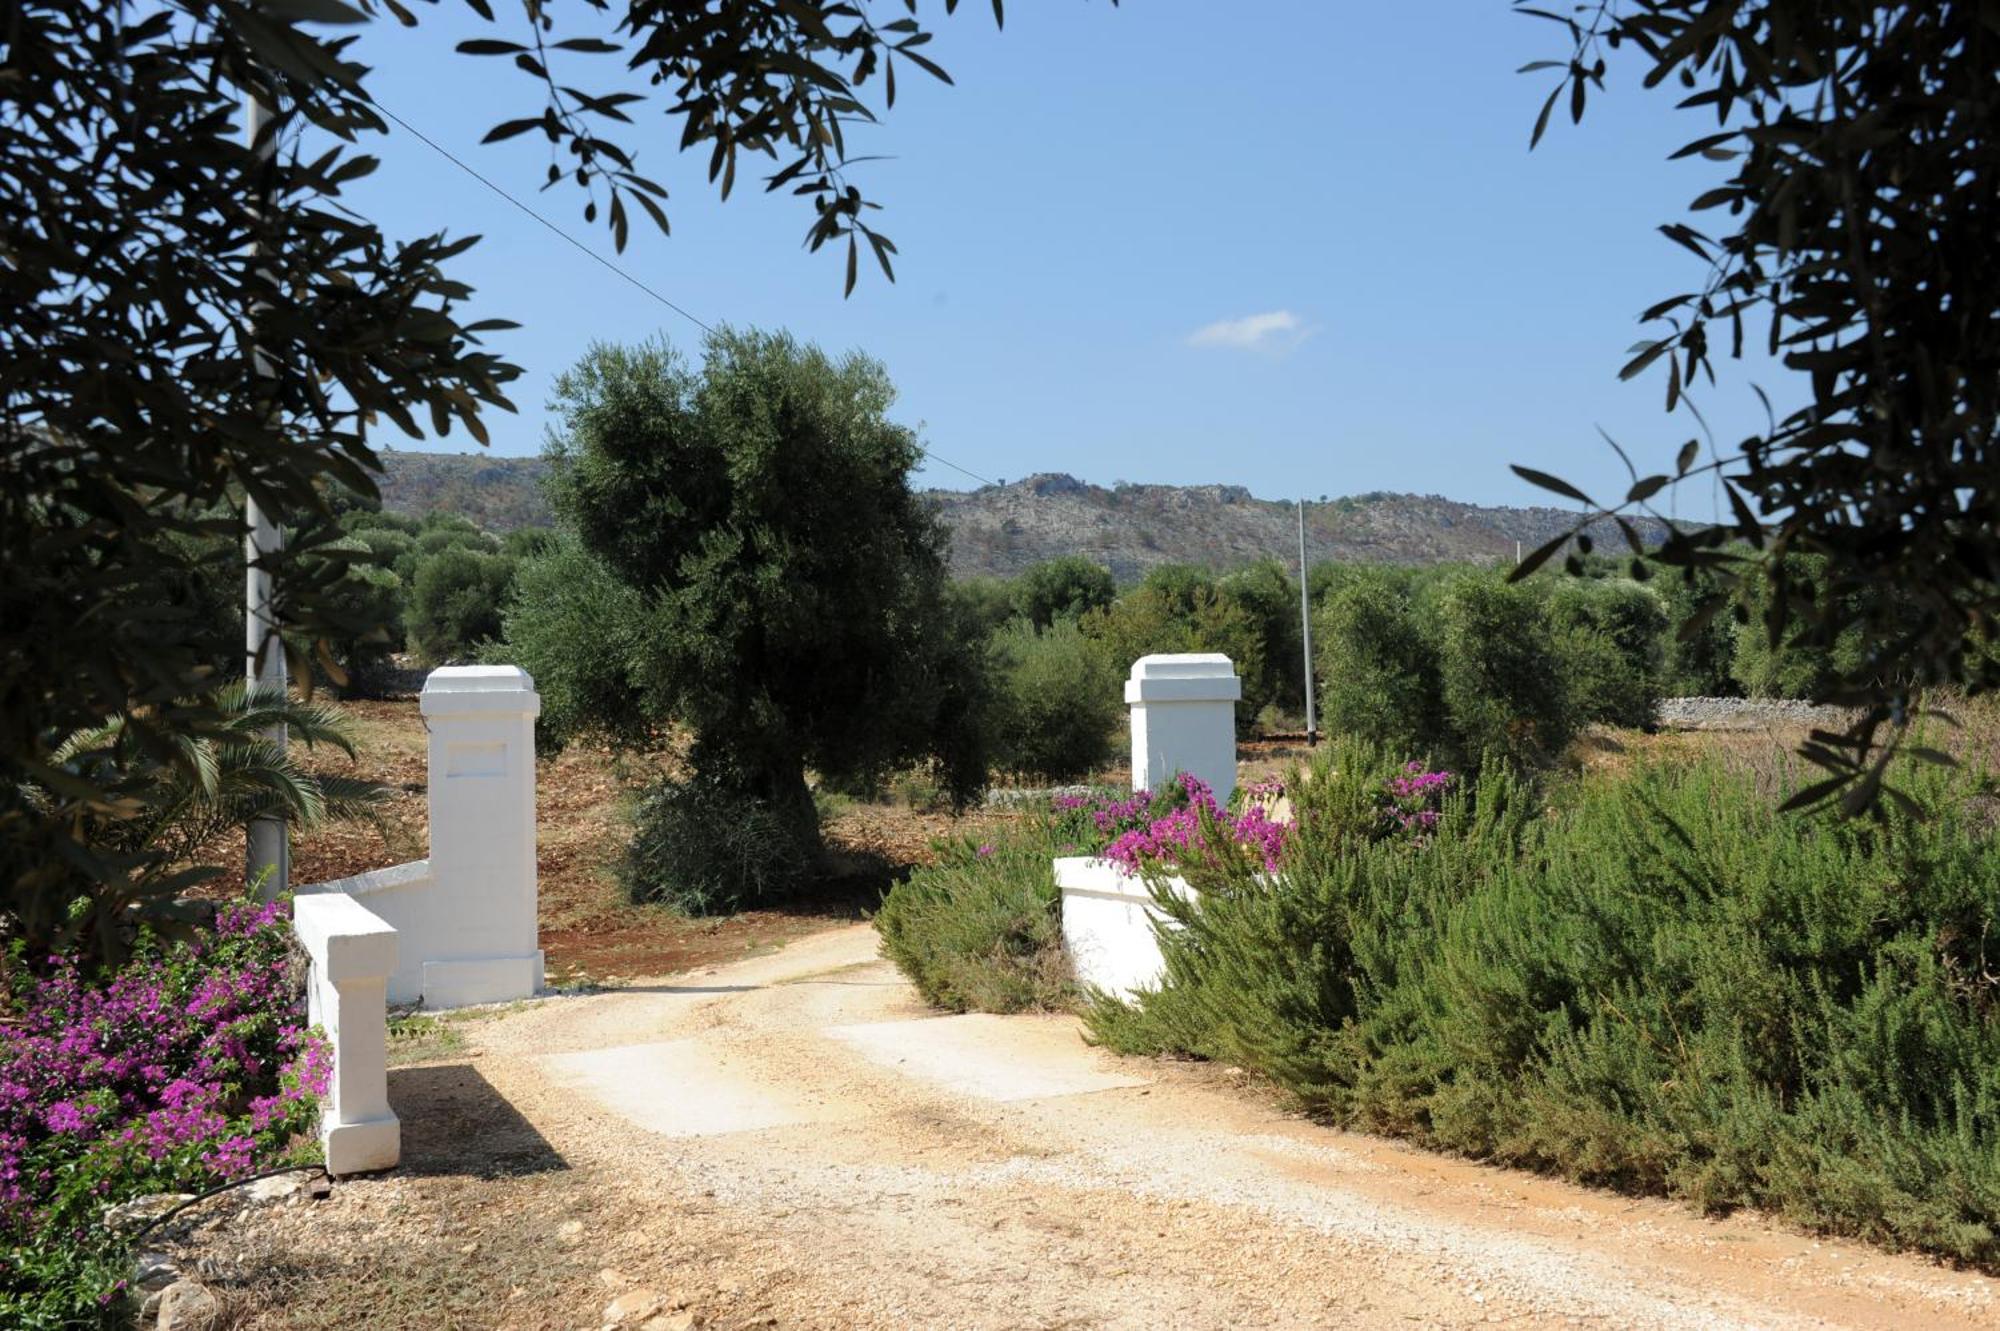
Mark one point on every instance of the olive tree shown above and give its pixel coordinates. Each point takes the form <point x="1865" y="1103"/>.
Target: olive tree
<point x="1851" y="232"/>
<point x="790" y="585"/>
<point x="192" y="320"/>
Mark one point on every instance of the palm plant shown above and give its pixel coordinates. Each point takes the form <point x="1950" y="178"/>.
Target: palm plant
<point x="160" y="805"/>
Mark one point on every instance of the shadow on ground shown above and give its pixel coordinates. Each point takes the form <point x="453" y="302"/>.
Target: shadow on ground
<point x="455" y="1123"/>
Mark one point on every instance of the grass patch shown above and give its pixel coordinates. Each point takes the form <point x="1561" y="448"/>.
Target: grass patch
<point x="421" y="1038"/>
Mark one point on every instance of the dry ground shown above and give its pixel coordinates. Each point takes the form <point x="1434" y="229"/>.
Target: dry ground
<point x="746" y="1160"/>
<point x="793" y="1140"/>
<point x="589" y="930"/>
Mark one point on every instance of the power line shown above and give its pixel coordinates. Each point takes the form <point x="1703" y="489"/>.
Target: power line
<point x="582" y="248"/>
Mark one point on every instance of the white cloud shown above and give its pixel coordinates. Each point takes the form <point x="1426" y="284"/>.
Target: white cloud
<point x="1274" y="330"/>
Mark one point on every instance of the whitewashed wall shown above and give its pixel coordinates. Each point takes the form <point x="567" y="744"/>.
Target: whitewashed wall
<point x="465" y="918"/>
<point x="352" y="953"/>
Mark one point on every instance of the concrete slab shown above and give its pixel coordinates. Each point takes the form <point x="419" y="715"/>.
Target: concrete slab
<point x="690" y="1088"/>
<point x="990" y="1057"/>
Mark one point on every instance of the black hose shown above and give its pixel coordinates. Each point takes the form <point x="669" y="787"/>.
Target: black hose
<point x="215" y="1191"/>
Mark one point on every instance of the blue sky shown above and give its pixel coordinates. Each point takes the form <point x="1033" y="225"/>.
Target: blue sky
<point x="1298" y="246"/>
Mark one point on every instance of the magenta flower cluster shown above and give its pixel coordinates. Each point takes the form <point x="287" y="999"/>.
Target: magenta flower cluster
<point x="1108" y="816"/>
<point x="1168" y="839"/>
<point x="188" y="1066"/>
<point x="1413" y="801"/>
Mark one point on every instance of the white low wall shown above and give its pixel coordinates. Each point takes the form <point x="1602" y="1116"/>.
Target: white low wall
<point x="352" y="954"/>
<point x="466" y="916"/>
<point x="1108" y="920"/>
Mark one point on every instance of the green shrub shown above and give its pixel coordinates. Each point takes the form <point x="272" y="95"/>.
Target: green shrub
<point x="457" y="600"/>
<point x="982" y="603"/>
<point x="1069" y="587"/>
<point x="570" y="624"/>
<point x="1503" y="692"/>
<point x="441" y="532"/>
<point x="1661" y="983"/>
<point x="1179" y="609"/>
<point x="1379" y="668"/>
<point x="1798" y="665"/>
<point x="704" y="847"/>
<point x="528" y="542"/>
<point x="1610" y="637"/>
<point x="1700" y="660"/>
<point x="369" y="594"/>
<point x="980" y="930"/>
<point x="1268" y="598"/>
<point x="1059" y="702"/>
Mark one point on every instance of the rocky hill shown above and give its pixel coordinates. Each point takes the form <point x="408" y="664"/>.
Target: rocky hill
<point x="1002" y="529"/>
<point x="499" y="494"/>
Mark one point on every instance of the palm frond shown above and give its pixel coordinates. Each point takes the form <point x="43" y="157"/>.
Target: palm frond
<point x="311" y="722"/>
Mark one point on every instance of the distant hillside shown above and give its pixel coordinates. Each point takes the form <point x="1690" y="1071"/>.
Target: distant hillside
<point x="1002" y="529"/>
<point x="499" y="494"/>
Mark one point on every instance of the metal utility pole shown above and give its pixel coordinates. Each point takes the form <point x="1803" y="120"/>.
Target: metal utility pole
<point x="269" y="849"/>
<point x="1306" y="627"/>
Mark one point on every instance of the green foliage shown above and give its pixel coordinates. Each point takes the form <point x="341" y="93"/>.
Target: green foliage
<point x="980" y="929"/>
<point x="278" y="325"/>
<point x="791" y="596"/>
<point x="1660" y="984"/>
<point x="370" y="595"/>
<point x="1379" y="669"/>
<point x="456" y="601"/>
<point x="131" y="424"/>
<point x="1066" y="588"/>
<point x="1181" y="588"/>
<point x="1799" y="661"/>
<point x="702" y="846"/>
<point x="1610" y="640"/>
<point x="577" y="629"/>
<point x="782" y="82"/>
<point x="1268" y="598"/>
<point x="170" y="809"/>
<point x="526" y="542"/>
<point x="1059" y="701"/>
<point x="1453" y="663"/>
<point x="1700" y="656"/>
<point x="1179" y="609"/>
<point x="1855" y="135"/>
<point x="1497" y="657"/>
<point x="982" y="605"/>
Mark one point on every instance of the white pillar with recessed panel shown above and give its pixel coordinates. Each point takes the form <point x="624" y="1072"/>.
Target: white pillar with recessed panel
<point x="1184" y="720"/>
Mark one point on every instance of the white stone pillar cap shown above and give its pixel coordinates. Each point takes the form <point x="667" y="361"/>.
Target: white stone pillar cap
<point x="1183" y="677"/>
<point x="347" y="939"/>
<point x="479" y="688"/>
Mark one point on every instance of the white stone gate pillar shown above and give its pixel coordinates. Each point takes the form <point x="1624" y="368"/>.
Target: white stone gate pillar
<point x="482" y="804"/>
<point x="1184" y="720"/>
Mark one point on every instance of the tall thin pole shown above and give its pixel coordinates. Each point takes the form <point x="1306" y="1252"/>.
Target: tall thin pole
<point x="1306" y="627"/>
<point x="268" y="858"/>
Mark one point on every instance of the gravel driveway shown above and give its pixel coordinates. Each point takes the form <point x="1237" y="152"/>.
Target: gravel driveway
<point x="833" y="1154"/>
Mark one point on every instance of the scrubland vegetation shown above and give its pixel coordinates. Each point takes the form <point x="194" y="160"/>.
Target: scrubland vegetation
<point x="1649" y="979"/>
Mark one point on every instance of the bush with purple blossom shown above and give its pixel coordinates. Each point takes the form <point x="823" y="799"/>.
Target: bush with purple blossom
<point x="1413" y="799"/>
<point x="1164" y="841"/>
<point x="187" y="1067"/>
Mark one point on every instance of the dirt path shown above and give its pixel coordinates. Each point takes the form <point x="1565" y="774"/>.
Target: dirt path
<point x="794" y="1140"/>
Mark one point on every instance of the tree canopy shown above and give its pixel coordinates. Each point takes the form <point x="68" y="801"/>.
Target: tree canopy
<point x="791" y="587"/>
<point x="1853" y="235"/>
<point x="159" y="369"/>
